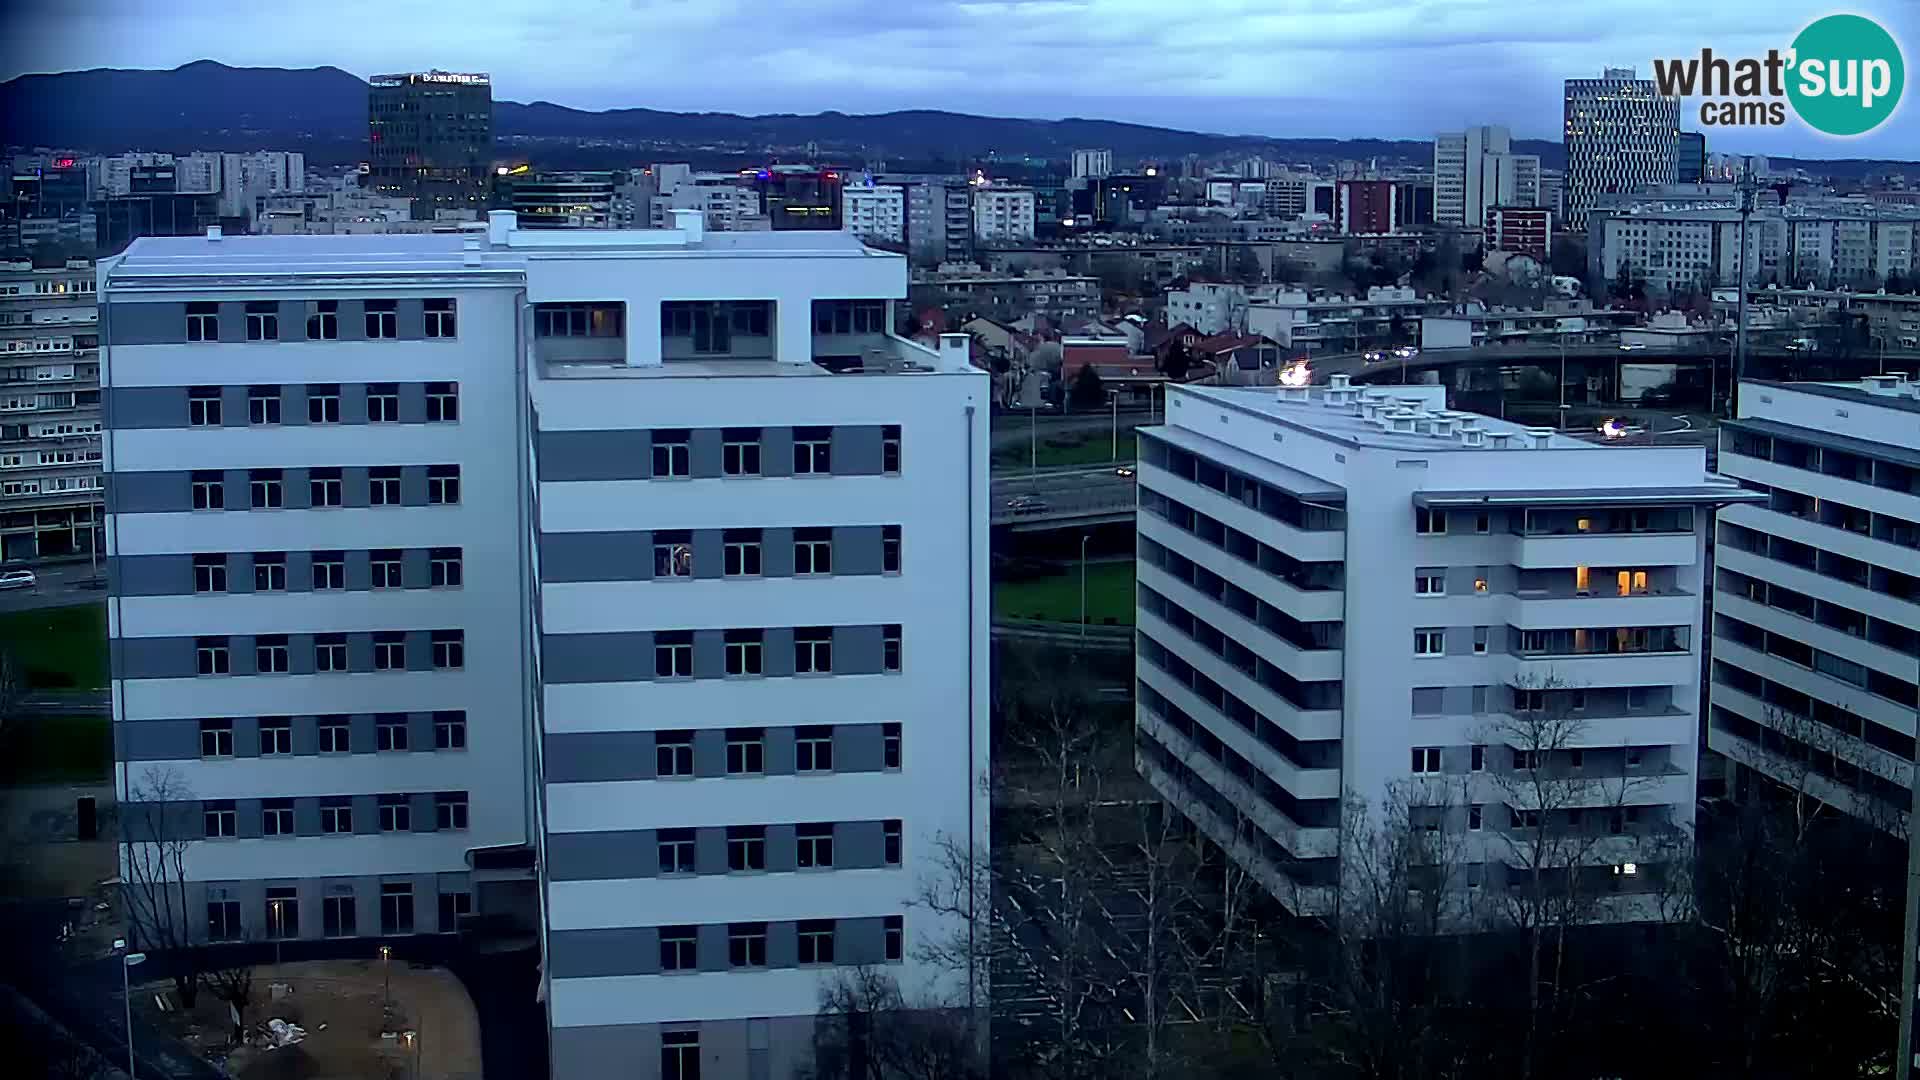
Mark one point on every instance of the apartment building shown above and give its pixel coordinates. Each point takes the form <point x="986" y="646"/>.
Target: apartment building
<point x="1346" y="590"/>
<point x="1003" y="214"/>
<point x="1816" y="604"/>
<point x="639" y="574"/>
<point x="1093" y="163"/>
<point x="1317" y="320"/>
<point x="1819" y="242"/>
<point x="49" y="411"/>
<point x="875" y="210"/>
<point x="1476" y="169"/>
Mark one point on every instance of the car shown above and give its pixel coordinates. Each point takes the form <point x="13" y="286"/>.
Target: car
<point x="18" y="579"/>
<point x="1632" y="346"/>
<point x="1374" y="356"/>
<point x="1406" y="352"/>
<point x="1028" y="504"/>
<point x="1124" y="470"/>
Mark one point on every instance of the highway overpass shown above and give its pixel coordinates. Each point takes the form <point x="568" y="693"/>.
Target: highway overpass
<point x="1062" y="497"/>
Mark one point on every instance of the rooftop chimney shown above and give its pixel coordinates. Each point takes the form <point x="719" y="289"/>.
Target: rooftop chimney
<point x="499" y="224"/>
<point x="691" y="222"/>
<point x="956" y="350"/>
<point x="213" y="232"/>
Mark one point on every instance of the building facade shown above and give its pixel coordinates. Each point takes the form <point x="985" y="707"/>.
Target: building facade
<point x="1346" y="591"/>
<point x="1367" y="207"/>
<point x="1476" y="169"/>
<point x="878" y="211"/>
<point x="570" y="200"/>
<point x="49" y="411"/>
<point x="1816" y="604"/>
<point x="1526" y="230"/>
<point x="430" y="139"/>
<point x="1093" y="163"/>
<point x="1620" y="134"/>
<point x="799" y="196"/>
<point x="561" y="576"/>
<point x="1003" y="214"/>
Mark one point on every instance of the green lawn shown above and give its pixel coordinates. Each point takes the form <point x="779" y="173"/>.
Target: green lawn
<point x="1067" y="450"/>
<point x="1056" y="598"/>
<point x="62" y="648"/>
<point x="55" y="750"/>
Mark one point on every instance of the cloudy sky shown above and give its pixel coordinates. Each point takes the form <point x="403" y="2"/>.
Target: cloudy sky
<point x="1274" y="67"/>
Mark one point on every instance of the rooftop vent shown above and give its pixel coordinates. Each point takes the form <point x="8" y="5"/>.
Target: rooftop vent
<point x="1400" y="421"/>
<point x="1472" y="435"/>
<point x="1888" y="384"/>
<point x="1539" y="437"/>
<point x="1443" y="427"/>
<point x="1499" y="440"/>
<point x="1295" y="393"/>
<point x="1340" y="381"/>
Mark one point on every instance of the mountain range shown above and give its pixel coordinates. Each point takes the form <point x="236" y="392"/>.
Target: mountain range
<point x="322" y="111"/>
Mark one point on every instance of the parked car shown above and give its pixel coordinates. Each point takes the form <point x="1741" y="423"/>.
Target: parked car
<point x="1028" y="504"/>
<point x="18" y="579"/>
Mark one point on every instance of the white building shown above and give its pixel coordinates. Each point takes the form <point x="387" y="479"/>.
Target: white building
<point x="613" y="577"/>
<point x="875" y="210"/>
<point x="1818" y="242"/>
<point x="728" y="204"/>
<point x="49" y="410"/>
<point x="245" y="178"/>
<point x="1093" y="163"/>
<point x="1316" y="320"/>
<point x="1209" y="307"/>
<point x="1620" y="134"/>
<point x="1003" y="214"/>
<point x="1476" y="169"/>
<point x="1346" y="591"/>
<point x="1816" y="637"/>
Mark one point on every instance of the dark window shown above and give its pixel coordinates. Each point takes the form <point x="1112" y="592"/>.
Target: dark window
<point x="390" y="650"/>
<point x="383" y="403"/>
<point x="890" y="746"/>
<point x="383" y="485"/>
<point x="746" y="751"/>
<point x="454" y="906"/>
<point x="813" y="650"/>
<point x="889" y="549"/>
<point x="676" y="851"/>
<point x="325" y="487"/>
<point x="450" y="730"/>
<point x="812" y="551"/>
<point x="449" y="649"/>
<point x="276" y="817"/>
<point x="219" y="818"/>
<point x="323" y="403"/>
<point x="336" y="735"/>
<point x="679" y="949"/>
<point x="211" y="656"/>
<point x="815" y="845"/>
<point x="812" y="450"/>
<point x="223" y="920"/>
<point x="209" y="573"/>
<point x="579" y="320"/>
<point x="339" y="914"/>
<point x="396" y="907"/>
<point x="390" y="732"/>
<point x="890" y="842"/>
<point x="203" y="322"/>
<point x="679" y="1055"/>
<point x="747" y="945"/>
<point x="263" y="405"/>
<point x="746" y="847"/>
<point x="396" y="813"/>
<point x="383" y="321"/>
<point x="329" y="570"/>
<point x="323" y="320"/>
<point x="813" y="748"/>
<point x="269" y="571"/>
<point x="265" y="489"/>
<point x="276" y="735"/>
<point x="443" y="485"/>
<point x="893" y="931"/>
<point x="673" y="754"/>
<point x="673" y="654"/>
<point x="890" y="647"/>
<point x="209" y="490"/>
<point x="450" y="810"/>
<point x="216" y="738"/>
<point x="672" y="553"/>
<point x="384" y="567"/>
<point x="263" y="321"/>
<point x="740" y="452"/>
<point x="336" y="815"/>
<point x="741" y="552"/>
<point x="203" y="406"/>
<point x="672" y="454"/>
<point x="744" y="652"/>
<point x="443" y="567"/>
<point x="816" y="941"/>
<point x="440" y="321"/>
<point x="890" y="449"/>
<point x="443" y="402"/>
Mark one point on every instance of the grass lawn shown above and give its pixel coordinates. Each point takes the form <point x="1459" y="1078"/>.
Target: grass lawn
<point x="1056" y="598"/>
<point x="61" y="648"/>
<point x="1068" y="450"/>
<point x="55" y="750"/>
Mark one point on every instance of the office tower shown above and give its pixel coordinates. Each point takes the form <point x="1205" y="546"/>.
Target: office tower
<point x="1003" y="214"/>
<point x="1356" y="591"/>
<point x="799" y="197"/>
<point x="1690" y="158"/>
<point x="1093" y="163"/>
<point x="519" y="587"/>
<point x="430" y="139"/>
<point x="1477" y="168"/>
<point x="564" y="200"/>
<point x="50" y="401"/>
<point x="876" y="211"/>
<point x="1816" y="606"/>
<point x="1620" y="134"/>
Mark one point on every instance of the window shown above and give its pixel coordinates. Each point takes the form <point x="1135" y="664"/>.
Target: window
<point x="276" y="735"/>
<point x="203" y="322"/>
<point x="1475" y="817"/>
<point x="890" y="842"/>
<point x="741" y="552"/>
<point x="449" y="650"/>
<point x="216" y="738"/>
<point x="1429" y="522"/>
<point x="219" y="818"/>
<point x="450" y="730"/>
<point x="813" y="650"/>
<point x="890" y="449"/>
<point x="276" y="817"/>
<point x="1479" y="759"/>
<point x="1631" y="582"/>
<point x="390" y="651"/>
<point x="579" y="320"/>
<point x="890" y="647"/>
<point x="265" y="490"/>
<point x="263" y="405"/>
<point x="1480" y="640"/>
<point x="1635" y="756"/>
<point x="336" y="735"/>
<point x="1429" y="642"/>
<point x="816" y="941"/>
<point x="1576" y="759"/>
<point x="263" y="321"/>
<point x="1482" y="523"/>
<point x="679" y="1055"/>
<point x="677" y="948"/>
<point x="396" y="814"/>
<point x="203" y="406"/>
<point x="673" y="754"/>
<point x="746" y="847"/>
<point x="812" y="551"/>
<point x="1577" y="700"/>
<point x="1583" y="580"/>
<point x="454" y="906"/>
<point x="812" y="450"/>
<point x="383" y="485"/>
<point x="815" y="840"/>
<point x="1638" y="698"/>
<point x="383" y="403"/>
<point x="1530" y="700"/>
<point x="324" y="487"/>
<point x="672" y="454"/>
<point x="209" y="573"/>
<point x="746" y="751"/>
<point x="396" y="907"/>
<point x="889" y="549"/>
<point x="270" y="654"/>
<point x="443" y="568"/>
<point x="338" y="914"/>
<point x="1528" y="760"/>
<point x="1429" y="584"/>
<point x="813" y="749"/>
<point x="744" y="651"/>
<point x="329" y="570"/>
<point x="890" y="746"/>
<point x="270" y="571"/>
<point x="440" y="322"/>
<point x="1523" y="819"/>
<point x="747" y="945"/>
<point x="210" y="656"/>
<point x="443" y="485"/>
<point x="740" y="452"/>
<point x="323" y="403"/>
<point x="1426" y="759"/>
<point x="323" y="320"/>
<point x="893" y="937"/>
<point x="390" y="732"/>
<point x="450" y="810"/>
<point x="209" y="490"/>
<point x="223" y="920"/>
<point x="673" y="654"/>
<point x="336" y="815"/>
<point x="383" y="319"/>
<point x="672" y="554"/>
<point x="384" y="568"/>
<point x="676" y="851"/>
<point x="443" y="402"/>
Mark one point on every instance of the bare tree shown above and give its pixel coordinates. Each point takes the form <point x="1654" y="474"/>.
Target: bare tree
<point x="154" y="875"/>
<point x="868" y="1030"/>
<point x="13" y="688"/>
<point x="233" y="986"/>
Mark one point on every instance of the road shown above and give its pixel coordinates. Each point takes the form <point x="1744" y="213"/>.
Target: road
<point x="1069" y="493"/>
<point x="1013" y="429"/>
<point x="59" y="584"/>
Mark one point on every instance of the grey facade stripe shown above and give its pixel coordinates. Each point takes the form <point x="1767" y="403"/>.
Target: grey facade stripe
<point x="128" y="323"/>
<point x="594" y="455"/>
<point x="156" y="740"/>
<point x="856" y="450"/>
<point x="628" y="454"/>
<point x="776" y="452"/>
<point x="595" y="658"/>
<point x="306" y="911"/>
<point x="628" y="556"/>
<point x="604" y="756"/>
<point x="590" y="953"/>
<point x="165" y="407"/>
<point x="589" y="757"/>
<point x="602" y="856"/>
<point x="635" y="950"/>
<point x="138" y="407"/>
<point x="597" y="556"/>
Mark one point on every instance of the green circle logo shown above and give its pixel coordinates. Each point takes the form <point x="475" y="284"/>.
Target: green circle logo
<point x="1846" y="75"/>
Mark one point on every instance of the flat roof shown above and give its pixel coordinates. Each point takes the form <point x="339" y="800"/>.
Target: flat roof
<point x="1706" y="492"/>
<point x="1845" y="392"/>
<point x="1290" y="480"/>
<point x="1344" y="426"/>
<point x="1899" y="455"/>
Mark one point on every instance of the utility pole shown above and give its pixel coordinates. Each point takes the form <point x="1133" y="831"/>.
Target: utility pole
<point x="1747" y="188"/>
<point x="1910" y="933"/>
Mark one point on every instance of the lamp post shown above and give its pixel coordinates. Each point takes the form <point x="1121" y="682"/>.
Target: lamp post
<point x="1114" y="397"/>
<point x="1084" y="537"/>
<point x="412" y="1041"/>
<point x="127" y="960"/>
<point x="386" y="982"/>
<point x="274" y="908"/>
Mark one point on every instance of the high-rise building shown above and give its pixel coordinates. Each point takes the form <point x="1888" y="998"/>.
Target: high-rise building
<point x="799" y="196"/>
<point x="1816" y="608"/>
<point x="939" y="209"/>
<point x="1690" y="158"/>
<point x="246" y="178"/>
<point x="1477" y="168"/>
<point x="119" y="219"/>
<point x="1003" y="214"/>
<point x="564" y="200"/>
<point x="430" y="139"/>
<point x="49" y="410"/>
<point x="877" y="211"/>
<point x="1367" y="207"/>
<point x="556" y="575"/>
<point x="1620" y="134"/>
<point x="1347" y="591"/>
<point x="1523" y="230"/>
<point x="1093" y="163"/>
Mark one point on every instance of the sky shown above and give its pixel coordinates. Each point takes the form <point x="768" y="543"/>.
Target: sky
<point x="1286" y="68"/>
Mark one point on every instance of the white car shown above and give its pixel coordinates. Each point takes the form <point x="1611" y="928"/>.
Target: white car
<point x="18" y="579"/>
<point x="1632" y="346"/>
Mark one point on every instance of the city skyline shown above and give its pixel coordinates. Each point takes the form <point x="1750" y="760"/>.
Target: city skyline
<point x="1289" y="72"/>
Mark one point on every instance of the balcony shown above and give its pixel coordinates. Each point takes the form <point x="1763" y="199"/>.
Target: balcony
<point x="1556" y="550"/>
<point x="1303" y="842"/>
<point x="1306" y="545"/>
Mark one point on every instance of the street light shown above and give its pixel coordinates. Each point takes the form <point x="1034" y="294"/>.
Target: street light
<point x="412" y="1041"/>
<point x="1114" y="397"/>
<point x="127" y="960"/>
<point x="386" y="982"/>
<point x="1084" y="537"/>
<point x="274" y="908"/>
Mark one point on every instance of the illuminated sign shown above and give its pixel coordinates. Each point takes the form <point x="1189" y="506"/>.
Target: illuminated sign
<point x="431" y="77"/>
